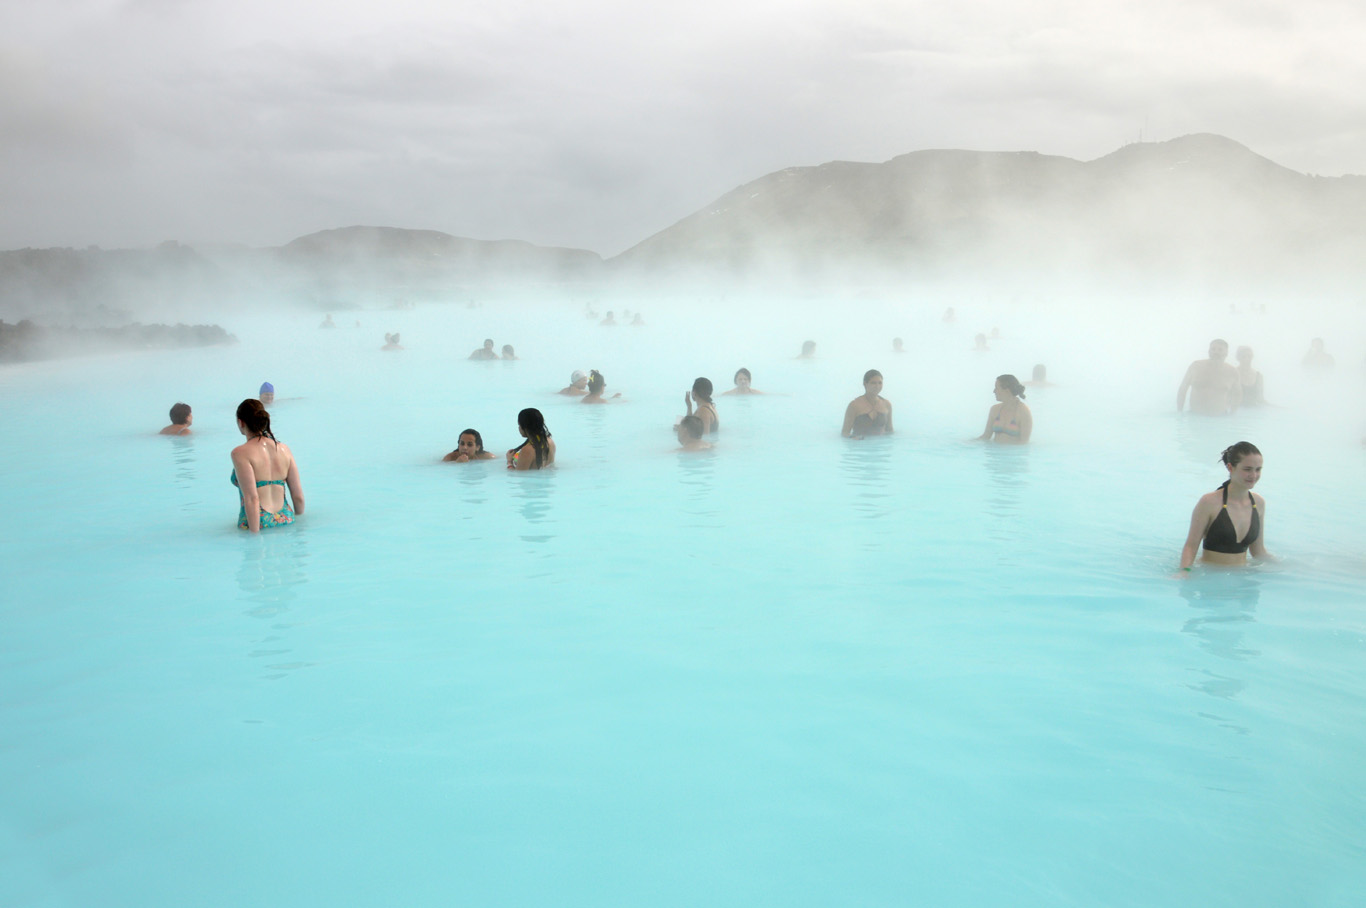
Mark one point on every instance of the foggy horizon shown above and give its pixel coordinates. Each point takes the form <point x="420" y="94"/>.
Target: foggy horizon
<point x="130" y="124"/>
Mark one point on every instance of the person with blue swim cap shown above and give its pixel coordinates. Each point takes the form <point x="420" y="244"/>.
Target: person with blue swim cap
<point x="267" y="393"/>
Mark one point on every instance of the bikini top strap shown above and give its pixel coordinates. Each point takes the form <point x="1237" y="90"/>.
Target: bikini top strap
<point x="1225" y="489"/>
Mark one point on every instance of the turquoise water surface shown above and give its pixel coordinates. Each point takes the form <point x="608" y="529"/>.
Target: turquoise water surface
<point x="797" y="670"/>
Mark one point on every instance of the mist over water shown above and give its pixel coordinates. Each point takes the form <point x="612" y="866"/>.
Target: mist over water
<point x="809" y="664"/>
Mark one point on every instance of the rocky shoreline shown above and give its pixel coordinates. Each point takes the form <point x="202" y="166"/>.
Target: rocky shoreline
<point x="25" y="341"/>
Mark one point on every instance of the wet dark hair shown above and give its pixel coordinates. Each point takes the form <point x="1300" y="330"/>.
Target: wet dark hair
<point x="742" y="371"/>
<point x="870" y="374"/>
<point x="478" y="440"/>
<point x="808" y="346"/>
<point x="1011" y="384"/>
<point x="595" y="381"/>
<point x="180" y="413"/>
<point x="507" y="348"/>
<point x="701" y="389"/>
<point x="532" y="422"/>
<point x="256" y="418"/>
<point x="693" y="425"/>
<point x="1234" y="454"/>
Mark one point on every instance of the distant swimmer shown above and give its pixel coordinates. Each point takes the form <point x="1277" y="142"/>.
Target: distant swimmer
<point x="486" y="351"/>
<point x="578" y="383"/>
<point x="327" y="322"/>
<point x="808" y="350"/>
<point x="1318" y="361"/>
<point x="1231" y="520"/>
<point x="262" y="468"/>
<point x="1039" y="377"/>
<point x="608" y="319"/>
<point x="267" y="393"/>
<point x="1009" y="421"/>
<point x="1213" y="384"/>
<point x="742" y="384"/>
<point x="1250" y="380"/>
<point x="949" y="317"/>
<point x="596" y="386"/>
<point x="470" y="446"/>
<point x="508" y="352"/>
<point x="897" y="346"/>
<point x="870" y="413"/>
<point x="706" y="408"/>
<point x="690" y="434"/>
<point x="181" y="420"/>
<point x="979" y="344"/>
<point x="538" y="451"/>
<point x="391" y="342"/>
<point x="637" y="322"/>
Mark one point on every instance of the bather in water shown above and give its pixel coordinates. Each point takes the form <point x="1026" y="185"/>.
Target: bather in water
<point x="486" y="351"/>
<point x="181" y="420"/>
<point x="870" y="413"/>
<point x="689" y="431"/>
<point x="742" y="384"/>
<point x="578" y="383"/>
<point x="1009" y="421"/>
<point x="470" y="446"/>
<point x="538" y="451"/>
<point x="1250" y="380"/>
<point x="1214" y="387"/>
<point x="596" y="386"/>
<point x="262" y="468"/>
<point x="706" y="408"/>
<point x="1231" y="520"/>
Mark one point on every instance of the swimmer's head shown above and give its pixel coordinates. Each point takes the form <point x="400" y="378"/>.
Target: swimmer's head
<point x="578" y="378"/>
<point x="701" y="389"/>
<point x="870" y="375"/>
<point x="254" y="417"/>
<point x="488" y="343"/>
<point x="689" y="429"/>
<point x="267" y="393"/>
<point x="180" y="415"/>
<point x="1040" y="372"/>
<point x="742" y="378"/>
<point x="897" y="344"/>
<point x="808" y="348"/>
<point x="1010" y="383"/>
<point x="1244" y="354"/>
<point x="532" y="423"/>
<point x="1234" y="454"/>
<point x="507" y="352"/>
<point x="596" y="382"/>
<point x="1218" y="349"/>
<point x="471" y="443"/>
<point x="1317" y="344"/>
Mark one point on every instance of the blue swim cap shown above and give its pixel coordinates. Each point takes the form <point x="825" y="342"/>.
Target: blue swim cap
<point x="266" y="386"/>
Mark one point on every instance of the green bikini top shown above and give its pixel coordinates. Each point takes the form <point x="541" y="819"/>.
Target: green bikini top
<point x="259" y="482"/>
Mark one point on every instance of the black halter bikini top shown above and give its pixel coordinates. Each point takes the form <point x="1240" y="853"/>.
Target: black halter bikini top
<point x="1221" y="537"/>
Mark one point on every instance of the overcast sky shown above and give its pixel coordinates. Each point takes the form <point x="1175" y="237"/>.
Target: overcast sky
<point x="596" y="123"/>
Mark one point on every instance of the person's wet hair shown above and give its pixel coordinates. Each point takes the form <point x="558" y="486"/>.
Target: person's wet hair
<point x="1011" y="384"/>
<point x="744" y="372"/>
<point x="596" y="382"/>
<point x="1234" y="454"/>
<point x="256" y="418"/>
<point x="180" y="413"/>
<point x="808" y="347"/>
<point x="532" y="422"/>
<point x="478" y="440"/>
<point x="701" y="389"/>
<point x="508" y="351"/>
<point x="692" y="425"/>
<point x="870" y="375"/>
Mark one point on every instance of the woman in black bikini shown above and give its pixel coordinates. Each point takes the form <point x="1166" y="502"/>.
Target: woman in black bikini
<point x="870" y="413"/>
<point x="706" y="407"/>
<point x="1231" y="520"/>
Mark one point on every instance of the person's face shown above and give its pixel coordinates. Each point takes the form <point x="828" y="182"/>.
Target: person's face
<point x="873" y="386"/>
<point x="189" y="418"/>
<point x="488" y="345"/>
<point x="268" y="398"/>
<point x="742" y="381"/>
<point x="1002" y="393"/>
<point x="580" y="383"/>
<point x="468" y="446"/>
<point x="1248" y="470"/>
<point x="683" y="436"/>
<point x="1218" y="351"/>
<point x="1244" y="355"/>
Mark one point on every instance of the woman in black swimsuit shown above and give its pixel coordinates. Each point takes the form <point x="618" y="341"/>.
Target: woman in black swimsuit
<point x="1231" y="520"/>
<point x="706" y="407"/>
<point x="870" y="413"/>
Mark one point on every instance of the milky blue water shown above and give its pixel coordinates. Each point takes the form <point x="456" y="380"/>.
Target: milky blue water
<point x="798" y="670"/>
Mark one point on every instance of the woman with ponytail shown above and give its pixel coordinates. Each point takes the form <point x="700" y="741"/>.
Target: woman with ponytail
<point x="538" y="450"/>
<point x="1231" y="520"/>
<point x="262" y="468"/>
